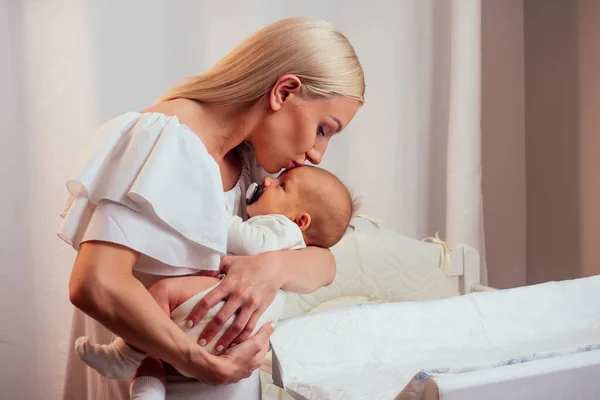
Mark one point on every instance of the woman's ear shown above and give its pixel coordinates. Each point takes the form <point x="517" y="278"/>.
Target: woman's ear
<point x="286" y="86"/>
<point x="303" y="221"/>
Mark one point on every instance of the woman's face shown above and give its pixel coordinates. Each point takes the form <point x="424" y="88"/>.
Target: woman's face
<point x="296" y="129"/>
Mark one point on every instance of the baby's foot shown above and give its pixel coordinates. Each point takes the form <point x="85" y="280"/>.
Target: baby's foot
<point x="116" y="360"/>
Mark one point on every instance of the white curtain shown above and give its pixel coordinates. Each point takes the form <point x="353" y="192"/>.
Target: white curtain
<point x="412" y="153"/>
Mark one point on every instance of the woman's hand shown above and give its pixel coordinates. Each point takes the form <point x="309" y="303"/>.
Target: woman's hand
<point x="235" y="363"/>
<point x="249" y="287"/>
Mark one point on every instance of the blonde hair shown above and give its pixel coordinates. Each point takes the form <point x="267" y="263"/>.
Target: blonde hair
<point x="313" y="50"/>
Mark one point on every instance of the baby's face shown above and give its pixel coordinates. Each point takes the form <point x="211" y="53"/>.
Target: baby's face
<point x="282" y="195"/>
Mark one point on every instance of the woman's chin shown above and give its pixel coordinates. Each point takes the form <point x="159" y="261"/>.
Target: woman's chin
<point x="273" y="169"/>
<point x="271" y="165"/>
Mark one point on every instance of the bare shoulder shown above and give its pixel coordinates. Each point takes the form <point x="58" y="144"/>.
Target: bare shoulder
<point x="186" y="110"/>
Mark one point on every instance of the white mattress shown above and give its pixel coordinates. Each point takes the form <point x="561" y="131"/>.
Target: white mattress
<point x="373" y="351"/>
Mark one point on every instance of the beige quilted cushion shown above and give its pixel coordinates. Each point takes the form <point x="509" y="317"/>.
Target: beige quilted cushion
<point x="375" y="264"/>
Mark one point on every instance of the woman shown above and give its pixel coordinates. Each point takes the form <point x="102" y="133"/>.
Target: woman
<point x="147" y="201"/>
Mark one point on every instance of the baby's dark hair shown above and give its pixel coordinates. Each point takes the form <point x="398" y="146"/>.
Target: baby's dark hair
<point x="330" y="205"/>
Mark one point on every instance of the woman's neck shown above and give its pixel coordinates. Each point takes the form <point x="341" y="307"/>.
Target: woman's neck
<point x="223" y="128"/>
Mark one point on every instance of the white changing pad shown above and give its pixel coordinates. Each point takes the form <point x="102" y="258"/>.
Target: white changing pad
<point x="373" y="351"/>
<point x="569" y="376"/>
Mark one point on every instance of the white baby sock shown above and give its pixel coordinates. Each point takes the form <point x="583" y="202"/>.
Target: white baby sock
<point x="116" y="360"/>
<point x="147" y="388"/>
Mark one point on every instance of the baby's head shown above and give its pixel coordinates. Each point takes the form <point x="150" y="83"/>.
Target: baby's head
<point x="316" y="200"/>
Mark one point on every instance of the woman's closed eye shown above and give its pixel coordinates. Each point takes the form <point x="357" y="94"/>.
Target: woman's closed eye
<point x="320" y="130"/>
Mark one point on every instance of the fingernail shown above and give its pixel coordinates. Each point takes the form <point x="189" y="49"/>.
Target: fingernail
<point x="189" y="323"/>
<point x="220" y="348"/>
<point x="202" y="342"/>
<point x="274" y="324"/>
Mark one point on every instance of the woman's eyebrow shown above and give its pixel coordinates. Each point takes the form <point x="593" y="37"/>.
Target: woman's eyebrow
<point x="339" y="127"/>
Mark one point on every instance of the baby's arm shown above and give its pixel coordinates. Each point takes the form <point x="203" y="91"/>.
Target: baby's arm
<point x="261" y="234"/>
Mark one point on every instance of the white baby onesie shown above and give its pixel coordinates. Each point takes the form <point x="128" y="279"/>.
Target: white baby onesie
<point x="245" y="238"/>
<point x="262" y="233"/>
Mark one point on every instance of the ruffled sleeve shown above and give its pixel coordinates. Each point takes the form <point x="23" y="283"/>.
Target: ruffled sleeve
<point x="147" y="182"/>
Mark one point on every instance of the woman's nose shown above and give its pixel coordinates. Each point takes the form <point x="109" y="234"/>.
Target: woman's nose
<point x="314" y="156"/>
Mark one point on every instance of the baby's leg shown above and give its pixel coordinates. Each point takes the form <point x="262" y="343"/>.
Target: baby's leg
<point x="118" y="360"/>
<point x="147" y="388"/>
<point x="180" y="296"/>
<point x="150" y="381"/>
<point x="171" y="293"/>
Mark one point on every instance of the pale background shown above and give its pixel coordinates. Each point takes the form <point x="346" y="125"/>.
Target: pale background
<point x="67" y="66"/>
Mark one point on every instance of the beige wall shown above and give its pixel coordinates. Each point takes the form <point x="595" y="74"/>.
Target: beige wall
<point x="552" y="140"/>
<point x="562" y="82"/>
<point x="541" y="139"/>
<point x="503" y="142"/>
<point x="589" y="134"/>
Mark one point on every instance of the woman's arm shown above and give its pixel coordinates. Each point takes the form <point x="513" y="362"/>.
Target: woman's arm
<point x="251" y="284"/>
<point x="303" y="271"/>
<point x="103" y="286"/>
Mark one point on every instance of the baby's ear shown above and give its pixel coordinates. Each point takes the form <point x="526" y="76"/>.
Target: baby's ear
<point x="303" y="221"/>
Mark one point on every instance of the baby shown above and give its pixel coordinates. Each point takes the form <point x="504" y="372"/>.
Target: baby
<point x="305" y="206"/>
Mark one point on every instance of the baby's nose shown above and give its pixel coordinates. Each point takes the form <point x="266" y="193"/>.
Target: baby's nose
<point x="267" y="181"/>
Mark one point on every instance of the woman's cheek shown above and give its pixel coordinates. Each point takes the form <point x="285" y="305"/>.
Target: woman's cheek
<point x="306" y="143"/>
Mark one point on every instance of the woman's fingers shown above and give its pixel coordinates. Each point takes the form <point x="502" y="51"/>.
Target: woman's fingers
<point x="248" y="289"/>
<point x="239" y="362"/>
<point x="219" y="320"/>
<point x="240" y="324"/>
<point x="247" y="331"/>
<point x="210" y="300"/>
<point x="252" y="351"/>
